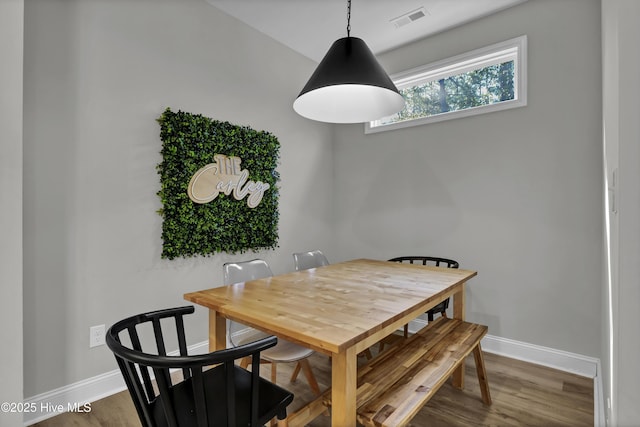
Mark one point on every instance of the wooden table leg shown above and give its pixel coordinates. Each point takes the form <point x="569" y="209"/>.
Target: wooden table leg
<point x="217" y="331"/>
<point x="459" y="313"/>
<point x="344" y="371"/>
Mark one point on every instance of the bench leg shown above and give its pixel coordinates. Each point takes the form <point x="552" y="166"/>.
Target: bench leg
<point x="482" y="375"/>
<point x="459" y="313"/>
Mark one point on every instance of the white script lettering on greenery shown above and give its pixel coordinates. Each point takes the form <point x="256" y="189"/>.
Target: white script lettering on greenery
<point x="225" y="176"/>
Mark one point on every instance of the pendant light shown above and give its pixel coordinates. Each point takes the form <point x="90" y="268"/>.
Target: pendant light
<point x="349" y="85"/>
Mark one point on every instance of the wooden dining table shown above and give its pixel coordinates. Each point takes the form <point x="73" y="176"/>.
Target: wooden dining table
<point x="340" y="310"/>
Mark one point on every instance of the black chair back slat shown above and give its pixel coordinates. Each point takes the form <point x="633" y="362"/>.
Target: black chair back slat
<point x="162" y="350"/>
<point x="255" y="377"/>
<point x="199" y="397"/>
<point x="144" y="371"/>
<point x="132" y="380"/>
<point x="213" y="391"/>
<point x="157" y="332"/>
<point x="182" y="344"/>
<point x="231" y="394"/>
<point x="164" y="387"/>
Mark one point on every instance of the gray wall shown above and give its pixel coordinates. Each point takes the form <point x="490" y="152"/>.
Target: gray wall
<point x="621" y="138"/>
<point x="97" y="75"/>
<point x="516" y="195"/>
<point x="11" y="52"/>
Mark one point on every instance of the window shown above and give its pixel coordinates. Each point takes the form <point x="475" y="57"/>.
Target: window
<point x="484" y="80"/>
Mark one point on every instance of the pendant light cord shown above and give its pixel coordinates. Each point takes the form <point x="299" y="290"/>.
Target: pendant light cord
<point x="349" y="18"/>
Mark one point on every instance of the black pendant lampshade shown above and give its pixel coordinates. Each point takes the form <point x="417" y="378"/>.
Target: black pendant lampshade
<point x="349" y="86"/>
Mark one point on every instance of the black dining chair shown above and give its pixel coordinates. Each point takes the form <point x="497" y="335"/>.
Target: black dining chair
<point x="426" y="260"/>
<point x="203" y="390"/>
<point x="435" y="261"/>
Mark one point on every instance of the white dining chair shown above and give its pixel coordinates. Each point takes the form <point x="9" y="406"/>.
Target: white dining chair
<point x="240" y="334"/>
<point x="307" y="260"/>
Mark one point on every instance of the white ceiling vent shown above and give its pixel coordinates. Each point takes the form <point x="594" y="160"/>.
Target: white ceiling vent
<point x="409" y="17"/>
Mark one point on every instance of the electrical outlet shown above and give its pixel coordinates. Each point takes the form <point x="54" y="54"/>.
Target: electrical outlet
<point x="96" y="336"/>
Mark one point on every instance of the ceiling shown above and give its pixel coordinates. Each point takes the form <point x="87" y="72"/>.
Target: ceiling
<point x="311" y="26"/>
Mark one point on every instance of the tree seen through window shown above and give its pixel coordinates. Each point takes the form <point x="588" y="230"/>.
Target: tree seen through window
<point x="483" y="86"/>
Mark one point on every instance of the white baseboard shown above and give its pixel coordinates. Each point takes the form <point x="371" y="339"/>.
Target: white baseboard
<point x="63" y="399"/>
<point x="98" y="387"/>
<point x="75" y="396"/>
<point x="545" y="356"/>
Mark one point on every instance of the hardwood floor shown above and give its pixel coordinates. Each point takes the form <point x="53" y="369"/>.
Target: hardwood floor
<point x="523" y="395"/>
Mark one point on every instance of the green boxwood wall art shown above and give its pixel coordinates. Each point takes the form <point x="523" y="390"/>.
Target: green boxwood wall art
<point x="189" y="142"/>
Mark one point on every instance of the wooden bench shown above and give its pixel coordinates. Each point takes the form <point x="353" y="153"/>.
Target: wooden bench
<point x="395" y="385"/>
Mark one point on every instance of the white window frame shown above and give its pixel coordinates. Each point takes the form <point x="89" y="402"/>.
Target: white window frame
<point x="515" y="49"/>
